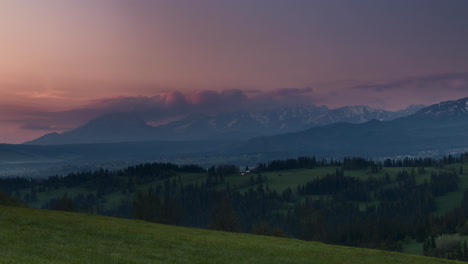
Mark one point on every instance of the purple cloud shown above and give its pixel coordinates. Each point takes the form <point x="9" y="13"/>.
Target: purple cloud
<point x="164" y="107"/>
<point x="286" y="92"/>
<point x="453" y="81"/>
<point x="44" y="127"/>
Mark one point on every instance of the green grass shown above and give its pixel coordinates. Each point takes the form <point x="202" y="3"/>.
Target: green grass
<point x="413" y="247"/>
<point x="41" y="236"/>
<point x="281" y="180"/>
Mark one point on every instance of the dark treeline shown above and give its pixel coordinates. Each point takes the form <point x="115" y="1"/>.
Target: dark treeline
<point x="103" y="178"/>
<point x="348" y="188"/>
<point x="299" y="163"/>
<point x="376" y="212"/>
<point x="356" y="163"/>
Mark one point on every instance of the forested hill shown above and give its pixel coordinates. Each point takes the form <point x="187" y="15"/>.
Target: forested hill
<point x="392" y="205"/>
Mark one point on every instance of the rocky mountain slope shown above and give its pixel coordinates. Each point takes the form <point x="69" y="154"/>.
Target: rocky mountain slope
<point x="129" y="127"/>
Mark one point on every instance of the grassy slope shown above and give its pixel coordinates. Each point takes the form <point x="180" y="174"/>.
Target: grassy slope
<point x="41" y="236"/>
<point x="291" y="178"/>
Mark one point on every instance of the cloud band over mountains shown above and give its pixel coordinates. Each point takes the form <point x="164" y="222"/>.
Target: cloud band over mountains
<point x="165" y="106"/>
<point x="175" y="104"/>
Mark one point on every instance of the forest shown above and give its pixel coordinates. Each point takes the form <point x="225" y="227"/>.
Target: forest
<point x="354" y="201"/>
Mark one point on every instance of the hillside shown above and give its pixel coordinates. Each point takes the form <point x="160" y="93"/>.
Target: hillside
<point x="395" y="205"/>
<point x="108" y="151"/>
<point x="41" y="236"/>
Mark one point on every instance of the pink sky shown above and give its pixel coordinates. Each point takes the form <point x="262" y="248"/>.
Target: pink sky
<point x="65" y="56"/>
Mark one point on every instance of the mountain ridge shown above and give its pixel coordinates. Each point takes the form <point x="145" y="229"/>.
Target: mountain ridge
<point x="129" y="127"/>
<point x="436" y="127"/>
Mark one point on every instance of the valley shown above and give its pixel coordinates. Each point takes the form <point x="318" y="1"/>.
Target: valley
<point x="305" y="198"/>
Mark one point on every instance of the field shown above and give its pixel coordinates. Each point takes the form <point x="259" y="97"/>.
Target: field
<point x="275" y="180"/>
<point x="42" y="236"/>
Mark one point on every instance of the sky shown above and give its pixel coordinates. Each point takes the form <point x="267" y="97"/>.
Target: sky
<point x="64" y="62"/>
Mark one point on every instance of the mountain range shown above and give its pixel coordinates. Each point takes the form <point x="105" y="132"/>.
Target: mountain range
<point x="431" y="131"/>
<point x="438" y="127"/>
<point x="239" y="125"/>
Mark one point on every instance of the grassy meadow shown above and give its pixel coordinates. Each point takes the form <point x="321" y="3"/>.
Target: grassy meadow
<point x="42" y="236"/>
<point x="275" y="180"/>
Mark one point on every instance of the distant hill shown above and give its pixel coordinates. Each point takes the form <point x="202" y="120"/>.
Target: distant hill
<point x="63" y="237"/>
<point x="108" y="151"/>
<point x="117" y="127"/>
<point x="437" y="127"/>
<point x="430" y="131"/>
<point x="129" y="127"/>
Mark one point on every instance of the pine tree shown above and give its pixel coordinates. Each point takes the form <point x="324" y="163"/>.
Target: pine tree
<point x="465" y="251"/>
